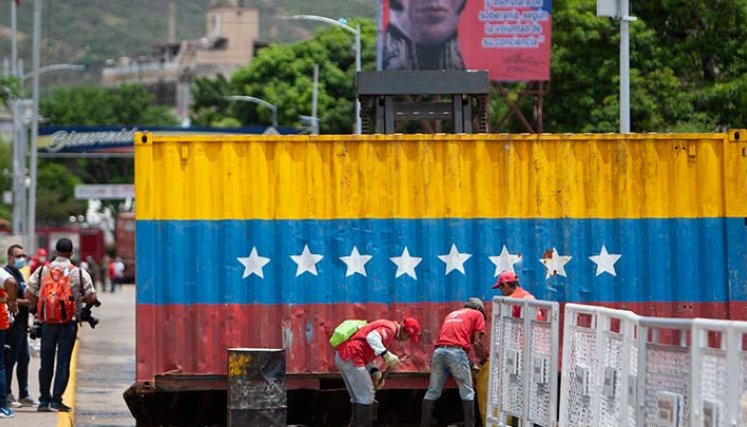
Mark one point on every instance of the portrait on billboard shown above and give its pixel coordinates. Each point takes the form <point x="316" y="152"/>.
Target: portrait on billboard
<point x="509" y="38"/>
<point x="422" y="35"/>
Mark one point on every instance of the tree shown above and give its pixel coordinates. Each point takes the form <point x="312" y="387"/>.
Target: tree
<point x="126" y="105"/>
<point x="583" y="94"/>
<point x="282" y="74"/>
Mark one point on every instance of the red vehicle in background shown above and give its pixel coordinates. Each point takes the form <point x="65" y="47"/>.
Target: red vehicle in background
<point x="86" y="241"/>
<point x="124" y="246"/>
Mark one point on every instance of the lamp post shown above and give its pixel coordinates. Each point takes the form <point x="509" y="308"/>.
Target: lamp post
<point x="357" y="33"/>
<point x="53" y="67"/>
<point x="272" y="107"/>
<point x="620" y="9"/>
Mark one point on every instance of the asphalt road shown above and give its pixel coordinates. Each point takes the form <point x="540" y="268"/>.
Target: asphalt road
<point x="106" y="362"/>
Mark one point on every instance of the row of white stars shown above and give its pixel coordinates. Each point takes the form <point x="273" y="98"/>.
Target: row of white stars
<point x="306" y="262"/>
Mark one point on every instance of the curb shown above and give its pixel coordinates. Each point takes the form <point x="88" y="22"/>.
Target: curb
<point x="67" y="419"/>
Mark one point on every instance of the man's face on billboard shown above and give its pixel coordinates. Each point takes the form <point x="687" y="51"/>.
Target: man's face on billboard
<point x="430" y="21"/>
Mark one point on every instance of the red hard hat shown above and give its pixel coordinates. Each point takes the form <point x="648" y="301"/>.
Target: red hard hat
<point x="412" y="327"/>
<point x="505" y="277"/>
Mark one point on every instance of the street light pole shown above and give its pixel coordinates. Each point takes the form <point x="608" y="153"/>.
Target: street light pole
<point x="272" y="107"/>
<point x="357" y="33"/>
<point x="36" y="59"/>
<point x="624" y="66"/>
<point x="13" y="38"/>
<point x="53" y="67"/>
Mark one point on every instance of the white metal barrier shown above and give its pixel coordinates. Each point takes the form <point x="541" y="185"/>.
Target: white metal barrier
<point x="665" y="371"/>
<point x="524" y="347"/>
<point x="600" y="355"/>
<point x="719" y="380"/>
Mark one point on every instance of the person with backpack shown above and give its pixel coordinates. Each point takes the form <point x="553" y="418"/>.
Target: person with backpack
<point x="58" y="291"/>
<point x="8" y="308"/>
<point x="461" y="331"/>
<point x="356" y="360"/>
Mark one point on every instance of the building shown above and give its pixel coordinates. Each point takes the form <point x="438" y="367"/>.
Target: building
<point x="231" y="40"/>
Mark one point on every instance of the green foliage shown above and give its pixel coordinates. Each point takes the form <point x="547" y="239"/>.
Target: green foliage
<point x="6" y="180"/>
<point x="55" y="193"/>
<point x="10" y="87"/>
<point x="282" y="74"/>
<point x="125" y="105"/>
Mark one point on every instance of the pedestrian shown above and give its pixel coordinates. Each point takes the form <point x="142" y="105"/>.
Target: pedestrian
<point x="508" y="283"/>
<point x="356" y="360"/>
<point x="18" y="337"/>
<point x="461" y="331"/>
<point x="116" y="270"/>
<point x="8" y="308"/>
<point x="58" y="292"/>
<point x="39" y="259"/>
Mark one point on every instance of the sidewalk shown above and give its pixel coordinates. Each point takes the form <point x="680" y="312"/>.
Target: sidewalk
<point x="29" y="416"/>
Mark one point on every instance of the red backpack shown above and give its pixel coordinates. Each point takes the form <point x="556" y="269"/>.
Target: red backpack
<point x="56" y="303"/>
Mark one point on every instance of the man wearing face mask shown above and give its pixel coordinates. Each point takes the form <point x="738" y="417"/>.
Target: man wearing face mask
<point x="18" y="338"/>
<point x="422" y="35"/>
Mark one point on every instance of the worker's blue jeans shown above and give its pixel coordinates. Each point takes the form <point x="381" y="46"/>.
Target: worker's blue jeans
<point x="450" y="361"/>
<point x="19" y="353"/>
<point x="59" y="339"/>
<point x="357" y="381"/>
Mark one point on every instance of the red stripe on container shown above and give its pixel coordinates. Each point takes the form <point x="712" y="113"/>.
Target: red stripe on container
<point x="192" y="339"/>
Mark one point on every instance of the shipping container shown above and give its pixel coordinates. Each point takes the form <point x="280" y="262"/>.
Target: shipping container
<point x="246" y="241"/>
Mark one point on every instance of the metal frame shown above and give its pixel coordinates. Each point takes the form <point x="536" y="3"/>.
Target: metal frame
<point x="381" y="96"/>
<point x="601" y="321"/>
<point x="653" y="325"/>
<point x="532" y="311"/>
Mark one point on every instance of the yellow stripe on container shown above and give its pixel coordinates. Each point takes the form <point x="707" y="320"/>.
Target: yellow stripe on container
<point x="441" y="176"/>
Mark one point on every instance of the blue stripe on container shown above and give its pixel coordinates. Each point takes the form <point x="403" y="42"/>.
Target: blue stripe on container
<point x="663" y="260"/>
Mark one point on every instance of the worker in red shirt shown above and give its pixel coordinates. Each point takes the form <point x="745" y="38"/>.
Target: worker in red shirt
<point x="508" y="283"/>
<point x="356" y="360"/>
<point x="461" y="331"/>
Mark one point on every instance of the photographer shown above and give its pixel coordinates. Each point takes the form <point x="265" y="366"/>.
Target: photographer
<point x="58" y="292"/>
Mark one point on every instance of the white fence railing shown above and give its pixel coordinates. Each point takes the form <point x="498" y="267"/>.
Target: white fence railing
<point x="619" y="369"/>
<point x="524" y="349"/>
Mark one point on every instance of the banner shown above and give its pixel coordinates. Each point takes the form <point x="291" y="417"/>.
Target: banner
<point x="509" y="38"/>
<point x="119" y="139"/>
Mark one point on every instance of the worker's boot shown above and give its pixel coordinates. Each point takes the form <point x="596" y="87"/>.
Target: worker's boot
<point x="469" y="413"/>
<point x="363" y="415"/>
<point x="426" y="413"/>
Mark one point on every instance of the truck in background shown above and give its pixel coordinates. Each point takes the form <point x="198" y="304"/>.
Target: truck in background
<point x="124" y="243"/>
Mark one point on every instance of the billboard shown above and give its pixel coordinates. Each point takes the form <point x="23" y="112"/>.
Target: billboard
<point x="509" y="38"/>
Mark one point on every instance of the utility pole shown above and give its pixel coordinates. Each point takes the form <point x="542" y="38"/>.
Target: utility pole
<point x="13" y="38"/>
<point x="172" y="22"/>
<point x="36" y="59"/>
<point x="315" y="102"/>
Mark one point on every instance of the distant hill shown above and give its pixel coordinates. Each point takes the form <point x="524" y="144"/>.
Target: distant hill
<point x="91" y="31"/>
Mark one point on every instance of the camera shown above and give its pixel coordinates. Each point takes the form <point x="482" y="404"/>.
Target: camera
<point x="86" y="316"/>
<point x="36" y="330"/>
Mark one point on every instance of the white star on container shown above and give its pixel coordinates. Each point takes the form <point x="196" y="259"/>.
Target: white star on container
<point x="605" y="262"/>
<point x="253" y="264"/>
<point x="555" y="264"/>
<point x="356" y="263"/>
<point x="406" y="264"/>
<point x="306" y="261"/>
<point x="454" y="260"/>
<point x="505" y="261"/>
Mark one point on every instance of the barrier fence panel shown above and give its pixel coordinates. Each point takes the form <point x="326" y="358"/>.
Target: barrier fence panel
<point x="524" y="351"/>
<point x="599" y="367"/>
<point x="718" y="381"/>
<point x="664" y="369"/>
